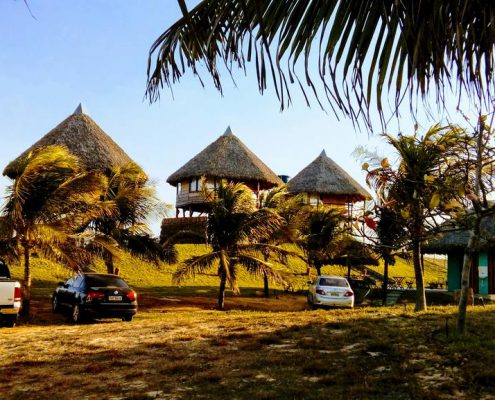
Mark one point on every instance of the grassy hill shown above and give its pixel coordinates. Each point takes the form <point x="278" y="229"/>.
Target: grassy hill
<point x="150" y="277"/>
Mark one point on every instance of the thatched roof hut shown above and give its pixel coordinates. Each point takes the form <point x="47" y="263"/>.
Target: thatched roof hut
<point x="325" y="177"/>
<point x="227" y="158"/>
<point x="85" y="139"/>
<point x="454" y="238"/>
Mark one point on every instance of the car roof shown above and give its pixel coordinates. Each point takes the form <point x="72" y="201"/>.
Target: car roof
<point x="332" y="277"/>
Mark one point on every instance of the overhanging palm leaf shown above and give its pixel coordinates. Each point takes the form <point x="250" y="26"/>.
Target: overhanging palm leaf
<point x="195" y="265"/>
<point x="257" y="267"/>
<point x="364" y="48"/>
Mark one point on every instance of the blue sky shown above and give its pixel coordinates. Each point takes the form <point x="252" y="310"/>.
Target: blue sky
<point x="95" y="52"/>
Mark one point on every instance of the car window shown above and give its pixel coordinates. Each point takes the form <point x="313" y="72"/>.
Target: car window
<point x="333" y="282"/>
<point x="105" y="280"/>
<point x="78" y="281"/>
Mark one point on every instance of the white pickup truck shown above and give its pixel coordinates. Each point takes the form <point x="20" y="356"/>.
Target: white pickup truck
<point x="10" y="297"/>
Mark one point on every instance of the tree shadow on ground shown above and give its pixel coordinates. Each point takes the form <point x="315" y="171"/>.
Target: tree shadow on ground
<point x="244" y="355"/>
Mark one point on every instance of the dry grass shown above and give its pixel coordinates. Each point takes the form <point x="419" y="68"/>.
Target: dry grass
<point x="184" y="350"/>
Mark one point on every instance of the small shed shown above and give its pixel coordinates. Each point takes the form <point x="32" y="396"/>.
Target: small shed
<point x="324" y="181"/>
<point x="228" y="159"/>
<point x="452" y="241"/>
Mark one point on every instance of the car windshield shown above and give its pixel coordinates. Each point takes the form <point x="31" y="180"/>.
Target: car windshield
<point x="105" y="280"/>
<point x="333" y="282"/>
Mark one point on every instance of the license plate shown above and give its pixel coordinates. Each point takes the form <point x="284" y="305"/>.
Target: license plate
<point x="115" y="298"/>
<point x="9" y="311"/>
<point x="334" y="294"/>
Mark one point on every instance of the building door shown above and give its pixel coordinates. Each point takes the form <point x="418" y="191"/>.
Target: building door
<point x="491" y="273"/>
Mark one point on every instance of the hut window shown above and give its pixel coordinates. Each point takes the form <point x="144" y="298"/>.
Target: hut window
<point x="210" y="185"/>
<point x="196" y="185"/>
<point x="179" y="188"/>
<point x="313" y="199"/>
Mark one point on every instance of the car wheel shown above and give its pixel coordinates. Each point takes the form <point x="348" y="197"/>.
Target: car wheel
<point x="311" y="304"/>
<point x="127" y="318"/>
<point x="55" y="305"/>
<point x="77" y="316"/>
<point x="10" y="321"/>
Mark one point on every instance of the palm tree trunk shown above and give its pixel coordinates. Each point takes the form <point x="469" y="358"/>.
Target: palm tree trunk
<point x="221" y="291"/>
<point x="318" y="268"/>
<point x="108" y="257"/>
<point x="385" y="281"/>
<point x="466" y="268"/>
<point x="266" y="288"/>
<point x="474" y="235"/>
<point x="418" y="273"/>
<point x="265" y="285"/>
<point x="26" y="296"/>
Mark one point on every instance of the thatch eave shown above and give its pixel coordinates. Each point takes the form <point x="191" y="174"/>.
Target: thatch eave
<point x="325" y="176"/>
<point x="227" y="158"/>
<point x="453" y="238"/>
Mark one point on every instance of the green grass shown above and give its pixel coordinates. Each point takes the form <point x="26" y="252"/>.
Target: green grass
<point x="179" y="348"/>
<point x="188" y="352"/>
<point x="158" y="278"/>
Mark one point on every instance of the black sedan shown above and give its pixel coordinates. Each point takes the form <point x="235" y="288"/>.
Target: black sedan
<point x="95" y="296"/>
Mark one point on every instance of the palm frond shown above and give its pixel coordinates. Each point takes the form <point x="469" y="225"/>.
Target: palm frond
<point x="365" y="49"/>
<point x="258" y="268"/>
<point x="269" y="250"/>
<point x="195" y="265"/>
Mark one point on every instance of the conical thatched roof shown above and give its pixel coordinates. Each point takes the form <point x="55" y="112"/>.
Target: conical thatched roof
<point x="325" y="176"/>
<point x="227" y="158"/>
<point x="85" y="139"/>
<point x="455" y="238"/>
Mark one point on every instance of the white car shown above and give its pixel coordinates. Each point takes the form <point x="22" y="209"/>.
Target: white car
<point x="330" y="291"/>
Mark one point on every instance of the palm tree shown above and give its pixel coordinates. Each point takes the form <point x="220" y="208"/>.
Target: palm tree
<point x="417" y="186"/>
<point x="364" y="48"/>
<point x="288" y="208"/>
<point x="134" y="198"/>
<point x="318" y="228"/>
<point x="236" y="231"/>
<point x="50" y="197"/>
<point x="390" y="235"/>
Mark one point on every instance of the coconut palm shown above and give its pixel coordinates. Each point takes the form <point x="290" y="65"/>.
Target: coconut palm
<point x="357" y="49"/>
<point x="390" y="238"/>
<point x="319" y="227"/>
<point x="288" y="208"/>
<point x="134" y="198"/>
<point x="50" y="197"/>
<point x="417" y="186"/>
<point x="236" y="231"/>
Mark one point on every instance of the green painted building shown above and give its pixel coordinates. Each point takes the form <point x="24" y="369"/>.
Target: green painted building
<point x="452" y="241"/>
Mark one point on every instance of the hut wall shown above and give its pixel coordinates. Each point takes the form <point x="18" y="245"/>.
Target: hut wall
<point x="482" y="274"/>
<point x="482" y="280"/>
<point x="491" y="273"/>
<point x="333" y="200"/>
<point x="184" y="186"/>
<point x="454" y="268"/>
<point x="196" y="226"/>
